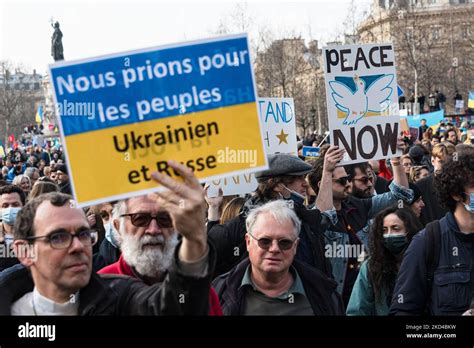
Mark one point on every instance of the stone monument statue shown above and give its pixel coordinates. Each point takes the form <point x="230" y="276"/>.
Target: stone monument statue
<point x="56" y="43"/>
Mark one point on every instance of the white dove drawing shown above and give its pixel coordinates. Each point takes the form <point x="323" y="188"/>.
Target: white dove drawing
<point x="356" y="104"/>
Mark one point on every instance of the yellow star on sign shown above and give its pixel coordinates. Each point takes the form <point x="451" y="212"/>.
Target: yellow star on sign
<point x="282" y="137"/>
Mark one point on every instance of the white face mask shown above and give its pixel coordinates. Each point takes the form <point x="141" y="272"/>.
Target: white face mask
<point x="470" y="207"/>
<point x="296" y="197"/>
<point x="9" y="215"/>
<point x="111" y="234"/>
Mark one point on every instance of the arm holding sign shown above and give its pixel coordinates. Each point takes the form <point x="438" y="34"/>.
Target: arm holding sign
<point x="186" y="205"/>
<point x="324" y="201"/>
<point x="399" y="176"/>
<point x="399" y="189"/>
<point x="214" y="203"/>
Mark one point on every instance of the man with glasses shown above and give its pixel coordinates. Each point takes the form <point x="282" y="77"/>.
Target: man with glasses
<point x="350" y="234"/>
<point x="54" y="241"/>
<point x="362" y="179"/>
<point x="148" y="243"/>
<point x="271" y="281"/>
<point x="284" y="180"/>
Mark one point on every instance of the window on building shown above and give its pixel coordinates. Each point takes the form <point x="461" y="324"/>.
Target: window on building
<point x="436" y="33"/>
<point x="465" y="32"/>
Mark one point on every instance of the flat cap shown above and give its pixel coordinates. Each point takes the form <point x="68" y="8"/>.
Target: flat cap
<point x="282" y="164"/>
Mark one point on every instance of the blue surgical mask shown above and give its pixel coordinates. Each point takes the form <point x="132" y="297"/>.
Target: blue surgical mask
<point x="297" y="198"/>
<point x="111" y="234"/>
<point x="9" y="215"/>
<point x="470" y="207"/>
<point x="395" y="243"/>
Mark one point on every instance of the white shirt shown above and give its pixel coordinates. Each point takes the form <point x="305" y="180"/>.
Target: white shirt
<point x="33" y="303"/>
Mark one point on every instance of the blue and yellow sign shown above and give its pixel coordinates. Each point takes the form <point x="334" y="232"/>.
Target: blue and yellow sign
<point x="123" y="116"/>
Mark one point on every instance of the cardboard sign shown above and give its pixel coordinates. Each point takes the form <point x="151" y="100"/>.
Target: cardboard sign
<point x="311" y="151"/>
<point x="123" y="116"/>
<point x="279" y="135"/>
<point x="362" y="100"/>
<point x="279" y="125"/>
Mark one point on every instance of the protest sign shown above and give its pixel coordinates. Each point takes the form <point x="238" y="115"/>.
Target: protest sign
<point x="279" y="132"/>
<point x="362" y="101"/>
<point x="124" y="115"/>
<point x="311" y="152"/>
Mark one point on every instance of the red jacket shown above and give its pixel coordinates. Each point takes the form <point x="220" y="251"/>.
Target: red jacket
<point x="384" y="172"/>
<point x="121" y="267"/>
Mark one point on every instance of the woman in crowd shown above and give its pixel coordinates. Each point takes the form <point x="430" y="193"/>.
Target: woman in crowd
<point x="418" y="172"/>
<point x="23" y="182"/>
<point x="42" y="187"/>
<point x="390" y="235"/>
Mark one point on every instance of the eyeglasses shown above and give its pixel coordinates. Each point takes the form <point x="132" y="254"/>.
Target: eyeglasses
<point x="365" y="179"/>
<point x="163" y="219"/>
<point x="343" y="180"/>
<point x="63" y="239"/>
<point x="266" y="243"/>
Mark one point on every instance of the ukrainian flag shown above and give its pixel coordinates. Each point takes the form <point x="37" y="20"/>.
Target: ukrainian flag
<point x="39" y="114"/>
<point x="470" y="103"/>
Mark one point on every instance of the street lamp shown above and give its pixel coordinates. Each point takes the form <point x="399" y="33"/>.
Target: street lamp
<point x="313" y="117"/>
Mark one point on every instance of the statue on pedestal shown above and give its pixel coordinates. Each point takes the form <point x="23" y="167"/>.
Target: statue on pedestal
<point x="56" y="43"/>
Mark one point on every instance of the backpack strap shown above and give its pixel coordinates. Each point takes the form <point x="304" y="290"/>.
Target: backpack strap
<point x="433" y="249"/>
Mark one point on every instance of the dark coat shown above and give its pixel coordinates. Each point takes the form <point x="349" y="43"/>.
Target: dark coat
<point x="432" y="209"/>
<point x="452" y="288"/>
<point x="229" y="240"/>
<point x="107" y="255"/>
<point x="320" y="290"/>
<point x="122" y="295"/>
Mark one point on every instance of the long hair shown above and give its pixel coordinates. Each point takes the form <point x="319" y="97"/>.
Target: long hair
<point x="383" y="265"/>
<point x="232" y="209"/>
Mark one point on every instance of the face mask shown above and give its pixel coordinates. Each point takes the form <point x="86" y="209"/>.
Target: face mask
<point x="470" y="207"/>
<point x="9" y="215"/>
<point x="110" y="234"/>
<point x="395" y="244"/>
<point x="297" y="198"/>
<point x="8" y="240"/>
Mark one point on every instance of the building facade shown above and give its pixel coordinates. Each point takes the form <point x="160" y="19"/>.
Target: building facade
<point x="434" y="44"/>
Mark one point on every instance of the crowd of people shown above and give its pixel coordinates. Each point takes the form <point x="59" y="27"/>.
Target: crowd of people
<point x="385" y="237"/>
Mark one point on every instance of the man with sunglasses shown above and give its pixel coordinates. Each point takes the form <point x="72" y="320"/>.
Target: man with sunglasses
<point x="362" y="179"/>
<point x="148" y="243"/>
<point x="345" y="242"/>
<point x="284" y="180"/>
<point x="54" y="241"/>
<point x="271" y="281"/>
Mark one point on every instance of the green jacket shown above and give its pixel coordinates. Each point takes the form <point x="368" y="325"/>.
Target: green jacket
<point x="362" y="301"/>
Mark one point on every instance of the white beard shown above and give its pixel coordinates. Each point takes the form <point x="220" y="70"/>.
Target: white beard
<point x="151" y="262"/>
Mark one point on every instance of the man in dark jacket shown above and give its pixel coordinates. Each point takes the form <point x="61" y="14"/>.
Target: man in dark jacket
<point x="442" y="284"/>
<point x="58" y="279"/>
<point x="284" y="180"/>
<point x="433" y="210"/>
<point x="63" y="179"/>
<point x="270" y="281"/>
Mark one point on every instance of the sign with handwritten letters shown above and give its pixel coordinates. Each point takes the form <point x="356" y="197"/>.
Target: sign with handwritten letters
<point x="362" y="100"/>
<point x="279" y="136"/>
